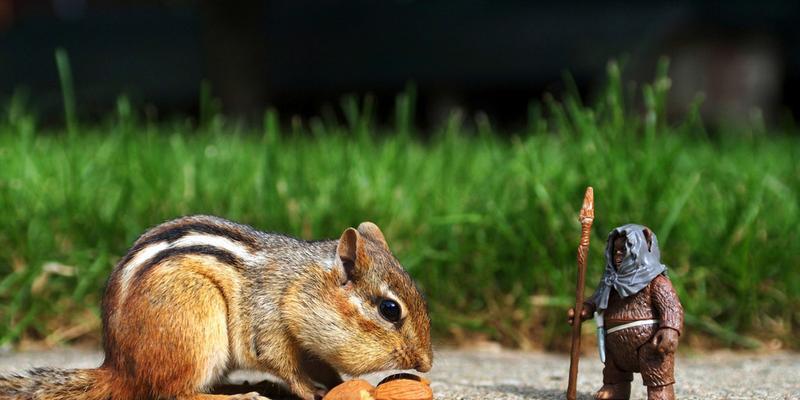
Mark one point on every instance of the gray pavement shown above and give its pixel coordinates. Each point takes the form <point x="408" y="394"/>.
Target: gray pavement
<point x="504" y="374"/>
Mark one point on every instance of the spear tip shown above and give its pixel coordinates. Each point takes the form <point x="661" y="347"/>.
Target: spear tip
<point x="587" y="211"/>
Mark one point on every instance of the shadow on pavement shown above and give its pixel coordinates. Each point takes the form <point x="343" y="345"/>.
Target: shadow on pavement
<point x="272" y="390"/>
<point x="277" y="391"/>
<point x="536" y="393"/>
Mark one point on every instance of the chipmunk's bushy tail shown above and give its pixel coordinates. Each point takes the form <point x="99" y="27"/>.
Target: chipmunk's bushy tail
<point x="56" y="384"/>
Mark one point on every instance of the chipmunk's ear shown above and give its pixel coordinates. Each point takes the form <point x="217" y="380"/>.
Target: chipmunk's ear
<point x="371" y="231"/>
<point x="347" y="251"/>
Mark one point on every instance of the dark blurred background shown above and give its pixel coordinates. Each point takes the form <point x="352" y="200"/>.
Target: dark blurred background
<point x="495" y="56"/>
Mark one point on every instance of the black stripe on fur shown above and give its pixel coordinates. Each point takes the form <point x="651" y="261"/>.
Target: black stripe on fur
<point x="223" y="256"/>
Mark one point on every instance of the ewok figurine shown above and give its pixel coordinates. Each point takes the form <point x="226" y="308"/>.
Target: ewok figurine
<point x="642" y="315"/>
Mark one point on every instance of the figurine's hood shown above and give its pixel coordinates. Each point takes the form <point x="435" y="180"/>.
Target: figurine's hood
<point x="639" y="266"/>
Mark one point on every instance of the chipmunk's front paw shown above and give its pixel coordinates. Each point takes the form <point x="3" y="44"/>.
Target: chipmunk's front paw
<point x="248" y="396"/>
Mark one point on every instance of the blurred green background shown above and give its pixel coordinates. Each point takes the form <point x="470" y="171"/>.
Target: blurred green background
<point x="481" y="207"/>
<point x="486" y="224"/>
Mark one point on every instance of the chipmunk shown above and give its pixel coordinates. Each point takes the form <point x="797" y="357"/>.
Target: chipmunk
<point x="199" y="296"/>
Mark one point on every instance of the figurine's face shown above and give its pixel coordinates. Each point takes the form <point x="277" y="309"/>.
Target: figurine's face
<point x="619" y="250"/>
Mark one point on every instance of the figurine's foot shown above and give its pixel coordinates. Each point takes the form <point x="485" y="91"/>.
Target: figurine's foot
<point x="661" y="392"/>
<point x="616" y="391"/>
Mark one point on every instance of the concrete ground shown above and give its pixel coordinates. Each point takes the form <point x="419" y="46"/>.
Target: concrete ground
<point x="504" y="374"/>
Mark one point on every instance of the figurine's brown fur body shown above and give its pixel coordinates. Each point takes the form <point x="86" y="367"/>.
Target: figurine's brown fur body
<point x="630" y="350"/>
<point x="199" y="296"/>
<point x="632" y="252"/>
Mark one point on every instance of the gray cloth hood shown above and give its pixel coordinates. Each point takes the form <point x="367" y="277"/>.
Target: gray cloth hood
<point x="640" y="265"/>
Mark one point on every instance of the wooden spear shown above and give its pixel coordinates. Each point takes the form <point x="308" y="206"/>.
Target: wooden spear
<point x="586" y="218"/>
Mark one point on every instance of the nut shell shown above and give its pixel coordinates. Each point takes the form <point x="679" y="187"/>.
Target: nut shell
<point x="356" y="389"/>
<point x="403" y="389"/>
<point x="405" y="375"/>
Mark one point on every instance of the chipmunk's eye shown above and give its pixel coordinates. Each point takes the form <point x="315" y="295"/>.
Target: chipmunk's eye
<point x="390" y="310"/>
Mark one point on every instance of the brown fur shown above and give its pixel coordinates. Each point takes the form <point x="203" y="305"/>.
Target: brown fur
<point x="199" y="296"/>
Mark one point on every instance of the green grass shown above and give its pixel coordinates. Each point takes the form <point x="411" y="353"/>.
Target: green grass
<point x="487" y="224"/>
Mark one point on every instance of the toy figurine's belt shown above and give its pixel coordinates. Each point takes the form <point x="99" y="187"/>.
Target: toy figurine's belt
<point x="633" y="324"/>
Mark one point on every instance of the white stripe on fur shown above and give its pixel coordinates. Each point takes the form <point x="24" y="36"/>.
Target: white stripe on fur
<point x="194" y="239"/>
<point x="141" y="257"/>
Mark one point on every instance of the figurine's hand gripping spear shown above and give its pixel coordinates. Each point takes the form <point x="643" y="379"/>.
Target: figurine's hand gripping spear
<point x="586" y="218"/>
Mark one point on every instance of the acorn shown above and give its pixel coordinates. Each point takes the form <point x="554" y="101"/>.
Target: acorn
<point x="403" y="389"/>
<point x="395" y="387"/>
<point x="356" y="389"/>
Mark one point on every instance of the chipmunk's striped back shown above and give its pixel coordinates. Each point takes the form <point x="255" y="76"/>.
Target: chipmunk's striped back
<point x="231" y="244"/>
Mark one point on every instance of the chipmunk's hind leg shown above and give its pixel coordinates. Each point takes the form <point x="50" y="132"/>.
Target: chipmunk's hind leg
<point x="175" y="339"/>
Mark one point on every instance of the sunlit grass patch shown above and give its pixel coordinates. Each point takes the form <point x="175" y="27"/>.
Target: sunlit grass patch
<point x="486" y="223"/>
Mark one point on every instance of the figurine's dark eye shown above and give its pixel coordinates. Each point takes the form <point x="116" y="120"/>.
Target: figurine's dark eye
<point x="390" y="310"/>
